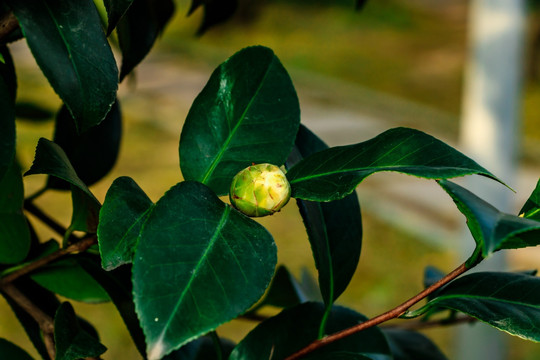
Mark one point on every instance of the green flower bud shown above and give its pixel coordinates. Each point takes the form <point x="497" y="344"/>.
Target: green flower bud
<point x="260" y="190"/>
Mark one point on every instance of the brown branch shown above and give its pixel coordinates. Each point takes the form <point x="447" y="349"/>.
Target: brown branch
<point x="391" y="314"/>
<point x="79" y="246"/>
<point x="8" y="24"/>
<point x="45" y="322"/>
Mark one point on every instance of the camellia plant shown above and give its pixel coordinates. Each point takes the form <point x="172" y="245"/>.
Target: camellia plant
<point x="179" y="268"/>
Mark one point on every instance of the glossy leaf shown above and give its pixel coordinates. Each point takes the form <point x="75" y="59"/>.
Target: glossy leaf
<point x="248" y="112"/>
<point x="85" y="212"/>
<point x="215" y="12"/>
<point x="507" y="301"/>
<point x="92" y="153"/>
<point x="50" y="159"/>
<point x="139" y="28"/>
<point x="71" y="49"/>
<point x="410" y="345"/>
<point x="199" y="263"/>
<point x="67" y="278"/>
<point x="202" y="348"/>
<point x="123" y="213"/>
<point x="14" y="230"/>
<point x="117" y="284"/>
<point x="492" y="230"/>
<point x="12" y="351"/>
<point x="7" y="115"/>
<point x="115" y="10"/>
<point x="531" y="209"/>
<point x="294" y="328"/>
<point x="72" y="342"/>
<point x="334" y="229"/>
<point x="284" y="291"/>
<point x="334" y="173"/>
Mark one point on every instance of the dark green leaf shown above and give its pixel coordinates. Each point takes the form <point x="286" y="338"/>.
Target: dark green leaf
<point x="50" y="159"/>
<point x="296" y="327"/>
<point x="92" y="153"/>
<point x="123" y="213"/>
<point x="12" y="351"/>
<point x="531" y="209"/>
<point x="7" y="73"/>
<point x="117" y="284"/>
<point x="334" y="229"/>
<point x="7" y="115"/>
<point x="492" y="230"/>
<point x="72" y="342"/>
<point x="199" y="263"/>
<point x="215" y="12"/>
<point x="284" y="290"/>
<point x="248" y="112"/>
<point x="507" y="301"/>
<point x="33" y="112"/>
<point x="85" y="211"/>
<point x="67" y="278"/>
<point x="139" y="28"/>
<point x="71" y="49"/>
<point x="115" y="10"/>
<point x="410" y="345"/>
<point x="334" y="173"/>
<point x="14" y="231"/>
<point x="202" y="348"/>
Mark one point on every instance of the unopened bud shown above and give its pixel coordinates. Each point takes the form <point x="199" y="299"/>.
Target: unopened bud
<point x="260" y="190"/>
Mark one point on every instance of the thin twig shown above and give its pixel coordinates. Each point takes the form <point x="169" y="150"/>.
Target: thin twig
<point x="391" y="314"/>
<point x="79" y="246"/>
<point x="8" y="24"/>
<point x="47" y="220"/>
<point x="44" y="321"/>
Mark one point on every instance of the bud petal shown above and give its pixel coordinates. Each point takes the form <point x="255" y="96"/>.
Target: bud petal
<point x="260" y="190"/>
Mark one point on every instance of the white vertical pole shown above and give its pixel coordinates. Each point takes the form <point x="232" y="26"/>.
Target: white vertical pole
<point x="490" y="128"/>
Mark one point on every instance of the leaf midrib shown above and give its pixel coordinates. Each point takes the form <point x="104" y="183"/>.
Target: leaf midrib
<point x="68" y="49"/>
<point x="442" y="298"/>
<point x="372" y="170"/>
<point x="225" y="145"/>
<point x="196" y="269"/>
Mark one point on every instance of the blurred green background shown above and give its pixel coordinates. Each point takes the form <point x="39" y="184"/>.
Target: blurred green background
<point x="398" y="62"/>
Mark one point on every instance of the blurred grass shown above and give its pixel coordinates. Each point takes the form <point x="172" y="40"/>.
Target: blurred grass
<point x="392" y="46"/>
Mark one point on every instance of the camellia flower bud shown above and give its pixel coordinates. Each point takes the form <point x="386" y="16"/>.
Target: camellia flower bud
<point x="260" y="190"/>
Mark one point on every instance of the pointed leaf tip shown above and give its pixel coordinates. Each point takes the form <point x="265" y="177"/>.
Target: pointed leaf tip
<point x="492" y="229"/>
<point x="334" y="173"/>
